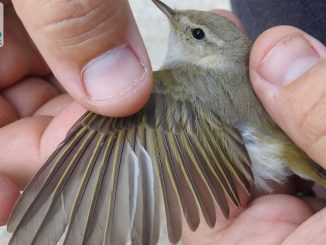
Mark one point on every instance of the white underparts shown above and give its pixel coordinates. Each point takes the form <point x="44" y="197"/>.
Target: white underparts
<point x="267" y="164"/>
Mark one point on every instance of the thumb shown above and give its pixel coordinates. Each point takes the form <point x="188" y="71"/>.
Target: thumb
<point x="94" y="49"/>
<point x="288" y="73"/>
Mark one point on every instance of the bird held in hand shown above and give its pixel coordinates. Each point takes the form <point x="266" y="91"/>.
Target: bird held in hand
<point x="202" y="136"/>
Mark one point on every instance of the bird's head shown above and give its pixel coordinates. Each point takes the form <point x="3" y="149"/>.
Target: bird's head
<point x="204" y="38"/>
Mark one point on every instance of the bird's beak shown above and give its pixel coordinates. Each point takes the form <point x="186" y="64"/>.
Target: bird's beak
<point x="170" y="13"/>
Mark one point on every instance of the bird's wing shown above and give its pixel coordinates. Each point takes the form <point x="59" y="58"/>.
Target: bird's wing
<point x="104" y="184"/>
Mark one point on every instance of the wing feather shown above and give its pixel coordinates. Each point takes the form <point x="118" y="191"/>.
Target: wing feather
<point x="97" y="183"/>
<point x="218" y="164"/>
<point x="97" y="222"/>
<point x="82" y="208"/>
<point x="171" y="201"/>
<point x="152" y="192"/>
<point x="106" y="183"/>
<point x="183" y="185"/>
<point x="110" y="227"/>
<point x="239" y="164"/>
<point x="197" y="181"/>
<point x="64" y="208"/>
<point x="46" y="199"/>
<point x="43" y="177"/>
<point x="212" y="180"/>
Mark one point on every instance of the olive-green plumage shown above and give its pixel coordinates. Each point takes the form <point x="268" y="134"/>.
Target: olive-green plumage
<point x="202" y="131"/>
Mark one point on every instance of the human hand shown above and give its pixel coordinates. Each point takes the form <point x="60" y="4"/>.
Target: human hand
<point x="93" y="48"/>
<point x="288" y="74"/>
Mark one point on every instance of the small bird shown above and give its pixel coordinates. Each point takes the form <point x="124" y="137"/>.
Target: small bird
<point x="203" y="131"/>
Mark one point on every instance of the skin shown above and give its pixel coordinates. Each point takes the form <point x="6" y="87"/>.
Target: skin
<point x="37" y="114"/>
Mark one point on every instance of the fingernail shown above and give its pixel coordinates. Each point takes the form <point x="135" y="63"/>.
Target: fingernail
<point x="288" y="60"/>
<point x="113" y="73"/>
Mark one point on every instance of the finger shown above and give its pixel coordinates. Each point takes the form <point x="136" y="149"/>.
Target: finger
<point x="56" y="131"/>
<point x="9" y="193"/>
<point x="94" y="49"/>
<point x="23" y="137"/>
<point x="35" y="138"/>
<point x="311" y="232"/>
<point x="268" y="220"/>
<point x="315" y="204"/>
<point x="29" y="94"/>
<point x="18" y="56"/>
<point x="6" y="2"/>
<point x="206" y="233"/>
<point x="55" y="106"/>
<point x="287" y="71"/>
<point x="7" y="112"/>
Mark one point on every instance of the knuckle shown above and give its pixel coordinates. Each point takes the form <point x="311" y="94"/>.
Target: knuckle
<point x="71" y="23"/>
<point x="317" y="150"/>
<point x="77" y="30"/>
<point x="311" y="120"/>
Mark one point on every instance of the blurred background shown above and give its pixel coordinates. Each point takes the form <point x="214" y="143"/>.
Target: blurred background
<point x="154" y="28"/>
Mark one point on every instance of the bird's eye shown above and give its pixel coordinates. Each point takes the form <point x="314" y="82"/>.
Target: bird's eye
<point x="198" y="34"/>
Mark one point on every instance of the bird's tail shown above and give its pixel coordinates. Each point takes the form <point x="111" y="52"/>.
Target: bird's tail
<point x="302" y="165"/>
